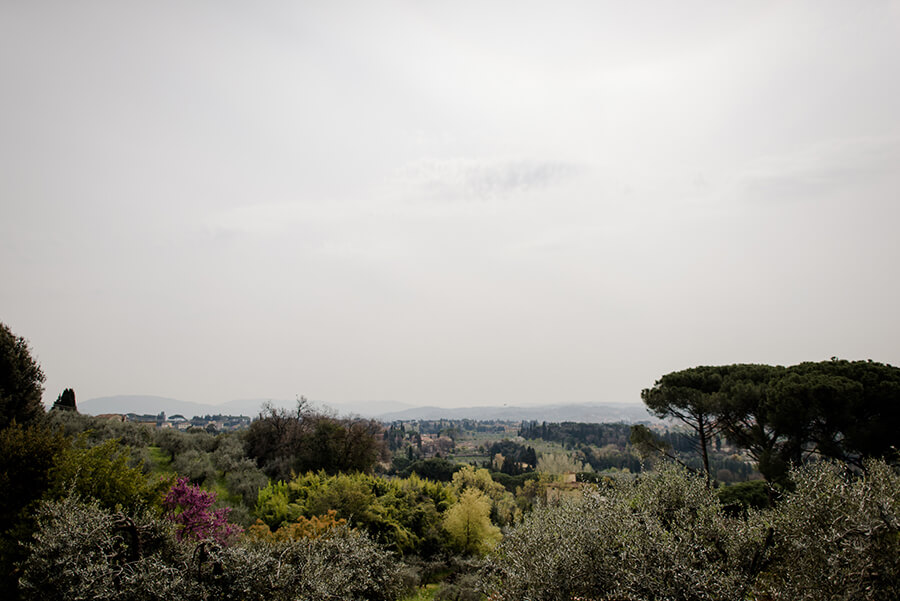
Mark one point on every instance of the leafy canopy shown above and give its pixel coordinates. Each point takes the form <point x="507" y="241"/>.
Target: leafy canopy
<point x="21" y="380"/>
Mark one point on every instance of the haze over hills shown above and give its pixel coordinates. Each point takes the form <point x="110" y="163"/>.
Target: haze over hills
<point x="149" y="404"/>
<point x="154" y="404"/>
<point x="382" y="410"/>
<point x="588" y="412"/>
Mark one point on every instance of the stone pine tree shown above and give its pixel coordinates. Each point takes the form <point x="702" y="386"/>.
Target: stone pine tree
<point x="754" y="419"/>
<point x="690" y="396"/>
<point x="844" y="410"/>
<point x="21" y="380"/>
<point x="783" y="416"/>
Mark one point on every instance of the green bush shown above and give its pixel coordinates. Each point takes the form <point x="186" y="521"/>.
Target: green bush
<point x="196" y="465"/>
<point x="27" y="457"/>
<point x="102" y="472"/>
<point x="437" y="469"/>
<point x="463" y="588"/>
<point x="739" y="498"/>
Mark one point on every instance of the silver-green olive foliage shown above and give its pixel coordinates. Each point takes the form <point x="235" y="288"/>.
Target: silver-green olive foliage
<point x="82" y="551"/>
<point x="665" y="535"/>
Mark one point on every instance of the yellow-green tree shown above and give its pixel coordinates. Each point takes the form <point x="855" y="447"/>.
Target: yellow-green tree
<point x="469" y="525"/>
<point x="303" y="527"/>
<point x="560" y="463"/>
<point x="403" y="514"/>
<point x="503" y="505"/>
<point x="102" y="472"/>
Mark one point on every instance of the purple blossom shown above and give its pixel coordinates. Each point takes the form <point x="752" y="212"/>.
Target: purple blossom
<point x="190" y="507"/>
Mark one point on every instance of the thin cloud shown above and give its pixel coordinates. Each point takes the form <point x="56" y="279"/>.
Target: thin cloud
<point x="476" y="180"/>
<point x="810" y="172"/>
<point x="259" y="219"/>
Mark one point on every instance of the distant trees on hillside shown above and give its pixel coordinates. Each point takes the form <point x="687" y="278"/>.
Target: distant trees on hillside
<point x="576" y="433"/>
<point x="512" y="458"/>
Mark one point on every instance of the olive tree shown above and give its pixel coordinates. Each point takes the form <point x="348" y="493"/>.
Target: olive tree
<point x="837" y="536"/>
<point x="666" y="536"/>
<point x="82" y="551"/>
<point x="663" y="535"/>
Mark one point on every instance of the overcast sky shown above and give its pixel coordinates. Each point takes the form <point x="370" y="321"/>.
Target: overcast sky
<point x="452" y="203"/>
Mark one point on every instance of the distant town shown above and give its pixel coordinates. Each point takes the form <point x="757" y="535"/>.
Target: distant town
<point x="210" y="423"/>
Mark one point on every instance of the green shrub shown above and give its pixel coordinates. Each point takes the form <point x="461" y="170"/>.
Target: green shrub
<point x="739" y="498"/>
<point x="102" y="472"/>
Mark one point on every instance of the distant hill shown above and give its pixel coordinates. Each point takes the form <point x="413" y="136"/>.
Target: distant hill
<point x="590" y="413"/>
<point x="141" y="404"/>
<point x="385" y="411"/>
<point x="148" y="404"/>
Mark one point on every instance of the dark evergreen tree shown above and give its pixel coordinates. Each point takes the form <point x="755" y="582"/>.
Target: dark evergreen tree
<point x="27" y="457"/>
<point x="21" y="380"/>
<point x="437" y="469"/>
<point x="530" y="457"/>
<point x="844" y="410"/>
<point x="65" y="401"/>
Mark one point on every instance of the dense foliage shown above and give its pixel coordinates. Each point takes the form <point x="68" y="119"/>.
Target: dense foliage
<point x="575" y="433"/>
<point x="511" y="457"/>
<point x="438" y="468"/>
<point x="665" y="535"/>
<point x="82" y="551"/>
<point x="21" y="380"/>
<point x="404" y="515"/>
<point x="285" y="443"/>
<point x="662" y="536"/>
<point x="844" y="410"/>
<point x="837" y="536"/>
<point x="27" y="458"/>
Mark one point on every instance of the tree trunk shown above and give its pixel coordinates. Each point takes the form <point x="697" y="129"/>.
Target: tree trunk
<point x="704" y="443"/>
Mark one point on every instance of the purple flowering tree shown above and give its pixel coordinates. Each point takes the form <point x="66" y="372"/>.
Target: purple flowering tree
<point x="190" y="507"/>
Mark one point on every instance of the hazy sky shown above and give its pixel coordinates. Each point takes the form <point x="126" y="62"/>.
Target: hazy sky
<point x="450" y="203"/>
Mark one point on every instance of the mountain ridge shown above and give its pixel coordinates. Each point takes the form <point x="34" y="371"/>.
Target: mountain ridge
<point x="386" y="411"/>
